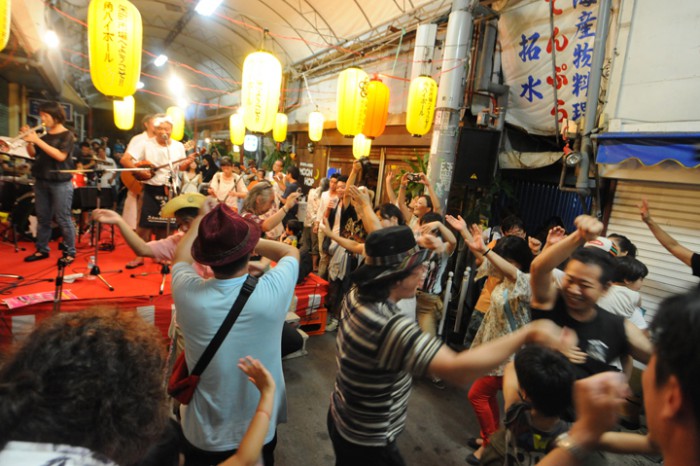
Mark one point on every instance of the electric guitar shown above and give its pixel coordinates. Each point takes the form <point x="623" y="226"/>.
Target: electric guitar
<point x="132" y="179"/>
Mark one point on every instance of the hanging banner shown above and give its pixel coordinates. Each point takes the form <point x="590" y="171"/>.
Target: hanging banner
<point x="527" y="47"/>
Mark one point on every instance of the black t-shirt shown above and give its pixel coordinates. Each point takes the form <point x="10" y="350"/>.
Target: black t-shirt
<point x="44" y="166"/>
<point x="603" y="339"/>
<point x="291" y="188"/>
<point x="695" y="264"/>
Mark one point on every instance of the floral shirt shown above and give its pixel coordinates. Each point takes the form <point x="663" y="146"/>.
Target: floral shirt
<point x="496" y="324"/>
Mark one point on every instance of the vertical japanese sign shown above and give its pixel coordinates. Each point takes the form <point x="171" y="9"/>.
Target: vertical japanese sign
<point x="528" y="44"/>
<point x="115" y="35"/>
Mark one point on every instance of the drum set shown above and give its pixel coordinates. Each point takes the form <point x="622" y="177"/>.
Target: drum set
<point x="16" y="190"/>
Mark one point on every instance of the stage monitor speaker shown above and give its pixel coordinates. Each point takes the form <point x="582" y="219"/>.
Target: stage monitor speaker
<point x="87" y="198"/>
<point x="477" y="153"/>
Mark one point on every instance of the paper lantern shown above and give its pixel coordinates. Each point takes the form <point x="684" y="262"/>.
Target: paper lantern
<point x="316" y="126"/>
<point x="420" y="110"/>
<point x="237" y="129"/>
<point x="178" y="116"/>
<point x="279" y="131"/>
<point x="5" y="18"/>
<point x="361" y="146"/>
<point x="377" y="109"/>
<point x="124" y="113"/>
<point x="260" y="92"/>
<point x="351" y="99"/>
<point x="114" y="39"/>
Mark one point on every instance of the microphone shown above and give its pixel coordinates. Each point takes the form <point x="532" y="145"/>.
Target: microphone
<point x="164" y="137"/>
<point x="71" y="278"/>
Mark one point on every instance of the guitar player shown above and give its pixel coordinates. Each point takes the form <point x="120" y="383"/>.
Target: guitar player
<point x="159" y="151"/>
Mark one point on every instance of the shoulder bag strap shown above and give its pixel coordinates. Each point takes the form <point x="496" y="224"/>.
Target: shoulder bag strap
<point x="225" y="328"/>
<point x="509" y="312"/>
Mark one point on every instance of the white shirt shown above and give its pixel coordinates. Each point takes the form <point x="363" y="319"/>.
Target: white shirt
<point x="224" y="188"/>
<point x="108" y="177"/>
<point x="161" y="155"/>
<point x="136" y="144"/>
<point x="323" y="205"/>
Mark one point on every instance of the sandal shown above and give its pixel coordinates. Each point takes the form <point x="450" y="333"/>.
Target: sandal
<point x="37" y="256"/>
<point x="138" y="262"/>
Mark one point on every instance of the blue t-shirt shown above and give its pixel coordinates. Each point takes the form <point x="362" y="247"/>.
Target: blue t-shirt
<point x="225" y="400"/>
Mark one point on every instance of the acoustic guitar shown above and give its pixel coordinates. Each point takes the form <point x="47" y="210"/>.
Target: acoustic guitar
<point x="132" y="179"/>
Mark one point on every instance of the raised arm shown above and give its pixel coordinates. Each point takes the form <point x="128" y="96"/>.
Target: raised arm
<point x="401" y="199"/>
<point x="363" y="207"/>
<point x="544" y="291"/>
<point x="352" y="179"/>
<point x="461" y="227"/>
<point x="477" y="246"/>
<point x="431" y="192"/>
<point x="275" y="219"/>
<point x="252" y="443"/>
<point x="682" y="253"/>
<point x="134" y="241"/>
<point x="448" y="237"/>
<point x="387" y="186"/>
<point x="275" y="250"/>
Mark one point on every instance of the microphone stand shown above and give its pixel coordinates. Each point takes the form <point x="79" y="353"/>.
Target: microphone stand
<point x="96" y="228"/>
<point x="58" y="289"/>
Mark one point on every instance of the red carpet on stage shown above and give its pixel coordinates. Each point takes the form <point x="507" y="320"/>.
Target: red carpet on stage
<point x="140" y="293"/>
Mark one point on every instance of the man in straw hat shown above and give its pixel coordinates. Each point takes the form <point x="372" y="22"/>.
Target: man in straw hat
<point x="224" y="403"/>
<point x="379" y="350"/>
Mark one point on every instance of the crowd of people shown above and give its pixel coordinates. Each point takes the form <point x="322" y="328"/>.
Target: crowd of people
<point x="558" y="325"/>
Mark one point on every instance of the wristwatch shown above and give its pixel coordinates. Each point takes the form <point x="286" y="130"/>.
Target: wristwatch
<point x="566" y="442"/>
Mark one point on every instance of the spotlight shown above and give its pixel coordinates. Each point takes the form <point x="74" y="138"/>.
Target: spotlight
<point x="51" y="39"/>
<point x="176" y="86"/>
<point x="160" y="60"/>
<point x="140" y="85"/>
<point x="207" y="7"/>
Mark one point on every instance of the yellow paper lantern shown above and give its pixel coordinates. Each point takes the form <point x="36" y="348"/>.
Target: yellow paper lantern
<point x="420" y="110"/>
<point x="279" y="131"/>
<point x="5" y="18"/>
<point x="260" y="90"/>
<point x="377" y="109"/>
<point x="351" y="99"/>
<point x="361" y="146"/>
<point x="114" y="38"/>
<point x="178" y="116"/>
<point x="237" y="129"/>
<point x="316" y="126"/>
<point x="124" y="113"/>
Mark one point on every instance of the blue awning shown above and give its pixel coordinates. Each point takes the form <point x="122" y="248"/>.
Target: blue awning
<point x="650" y="148"/>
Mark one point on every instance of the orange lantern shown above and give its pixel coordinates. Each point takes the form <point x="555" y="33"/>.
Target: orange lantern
<point x="352" y="101"/>
<point x="124" y="113"/>
<point x="237" y="129"/>
<point x="420" y="110"/>
<point x="114" y="37"/>
<point x="361" y="146"/>
<point x="279" y="131"/>
<point x="260" y="90"/>
<point x="377" y="109"/>
<point x="178" y="116"/>
<point x="5" y="19"/>
<point x="316" y="126"/>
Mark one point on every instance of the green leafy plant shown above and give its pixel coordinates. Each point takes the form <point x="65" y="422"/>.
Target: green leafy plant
<point x="275" y="155"/>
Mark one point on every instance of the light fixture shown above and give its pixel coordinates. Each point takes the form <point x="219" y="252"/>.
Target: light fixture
<point x="236" y="129"/>
<point x="140" y="85"/>
<point x="177" y="115"/>
<point x="160" y="60"/>
<point x="279" y="130"/>
<point x="182" y="103"/>
<point x="51" y="39"/>
<point x="572" y="159"/>
<point x="260" y="90"/>
<point x="207" y="7"/>
<point x="420" y="110"/>
<point x="207" y="140"/>
<point x="250" y="142"/>
<point x="316" y="125"/>
<point x="351" y="99"/>
<point x="5" y="20"/>
<point x="377" y="108"/>
<point x="124" y="113"/>
<point x="176" y="85"/>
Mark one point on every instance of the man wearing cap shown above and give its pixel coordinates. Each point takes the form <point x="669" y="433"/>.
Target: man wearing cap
<point x="379" y="349"/>
<point x="160" y="151"/>
<point x="603" y="337"/>
<point x="224" y="402"/>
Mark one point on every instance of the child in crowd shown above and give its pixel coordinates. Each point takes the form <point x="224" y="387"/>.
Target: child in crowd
<point x="292" y="233"/>
<point x="537" y="391"/>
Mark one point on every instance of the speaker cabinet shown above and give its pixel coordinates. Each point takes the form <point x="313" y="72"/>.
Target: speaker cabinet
<point x="477" y="154"/>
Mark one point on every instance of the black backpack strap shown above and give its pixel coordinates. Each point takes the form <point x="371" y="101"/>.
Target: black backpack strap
<point x="248" y="287"/>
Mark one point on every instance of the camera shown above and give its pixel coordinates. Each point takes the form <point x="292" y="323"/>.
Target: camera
<point x="414" y="177"/>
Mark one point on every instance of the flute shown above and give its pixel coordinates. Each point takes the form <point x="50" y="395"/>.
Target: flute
<point x="21" y="135"/>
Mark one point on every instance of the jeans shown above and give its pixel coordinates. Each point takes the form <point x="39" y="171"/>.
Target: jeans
<point x="54" y="199"/>
<point x="352" y="454"/>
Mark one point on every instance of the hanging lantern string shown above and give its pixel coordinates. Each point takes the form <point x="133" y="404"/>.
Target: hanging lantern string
<point x="308" y="92"/>
<point x="398" y="49"/>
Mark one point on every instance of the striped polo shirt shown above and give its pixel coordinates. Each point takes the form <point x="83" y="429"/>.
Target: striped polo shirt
<point x="378" y="350"/>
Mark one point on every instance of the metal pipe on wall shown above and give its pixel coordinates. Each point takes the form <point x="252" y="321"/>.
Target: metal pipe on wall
<point x="450" y="98"/>
<point x="593" y="94"/>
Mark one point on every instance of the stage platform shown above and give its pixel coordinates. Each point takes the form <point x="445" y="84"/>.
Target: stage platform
<point x="133" y="291"/>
